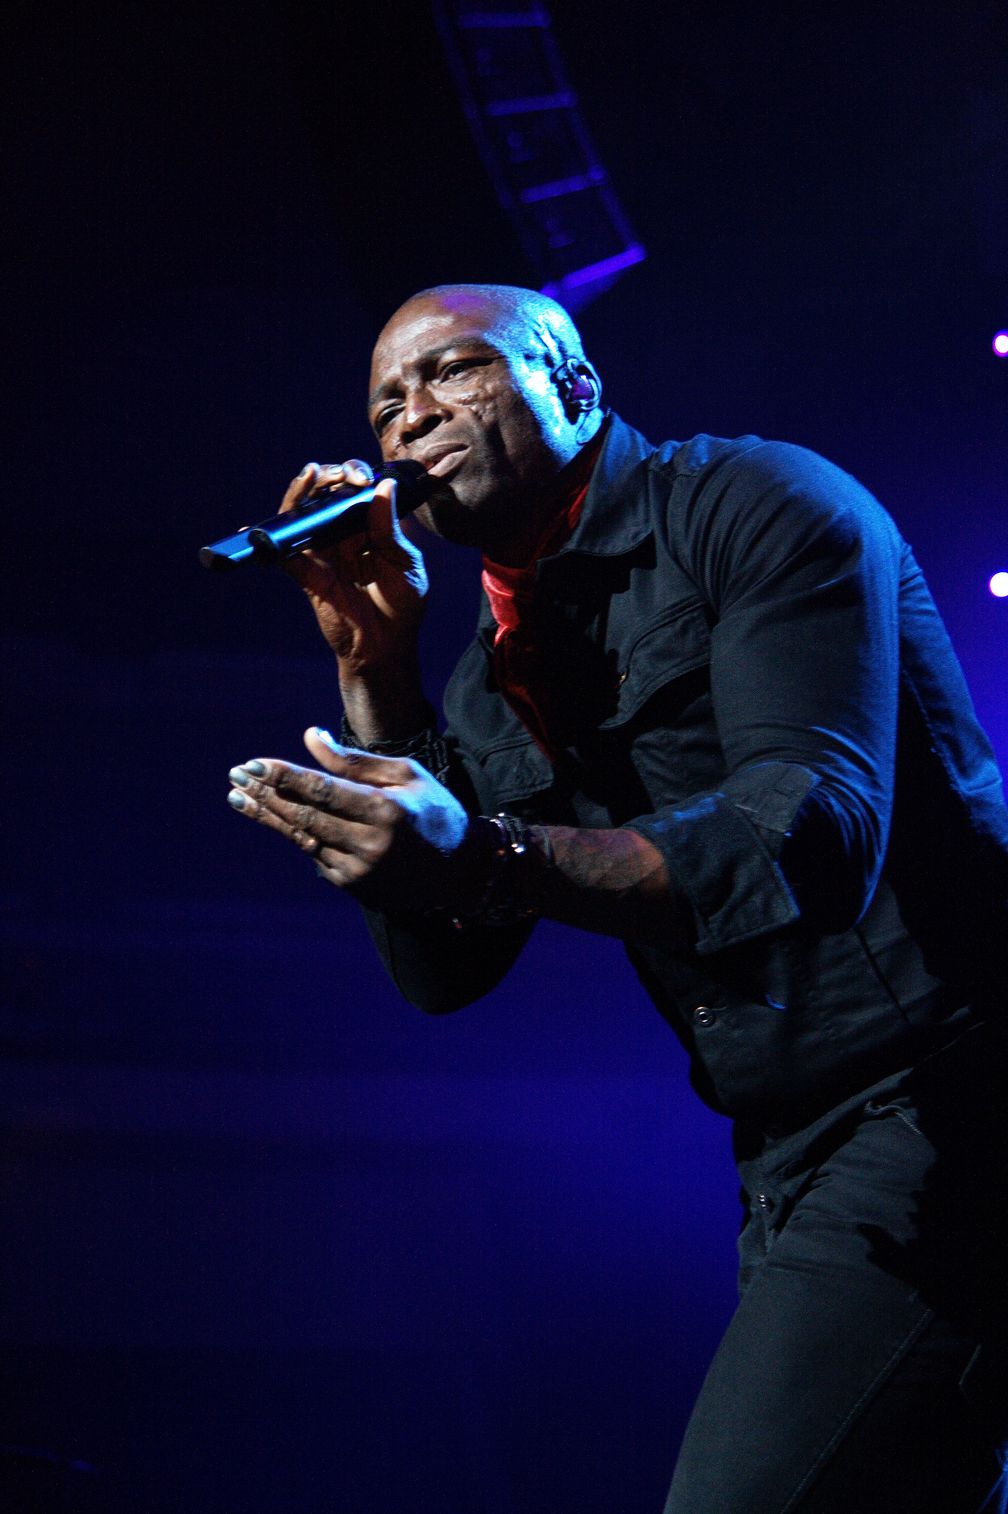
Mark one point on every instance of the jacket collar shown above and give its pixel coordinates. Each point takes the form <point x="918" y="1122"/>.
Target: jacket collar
<point x="615" y="517"/>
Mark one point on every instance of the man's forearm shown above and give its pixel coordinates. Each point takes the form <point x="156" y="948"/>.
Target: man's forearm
<point x="386" y="706"/>
<point x="613" y="882"/>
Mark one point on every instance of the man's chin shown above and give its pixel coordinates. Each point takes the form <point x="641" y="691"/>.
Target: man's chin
<point x="444" y="516"/>
<point x="468" y="522"/>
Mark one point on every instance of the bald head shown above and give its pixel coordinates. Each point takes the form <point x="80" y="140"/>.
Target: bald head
<point x="524" y="313"/>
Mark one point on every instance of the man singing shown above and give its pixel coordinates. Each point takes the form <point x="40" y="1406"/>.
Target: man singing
<point x="710" y="709"/>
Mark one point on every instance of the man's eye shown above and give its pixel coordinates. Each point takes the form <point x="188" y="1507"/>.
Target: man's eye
<point x="463" y="365"/>
<point x="383" y="419"/>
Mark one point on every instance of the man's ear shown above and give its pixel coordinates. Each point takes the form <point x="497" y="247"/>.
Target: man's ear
<point x="579" y="385"/>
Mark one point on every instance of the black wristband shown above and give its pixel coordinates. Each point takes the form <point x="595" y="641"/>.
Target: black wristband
<point x="518" y="859"/>
<point x="426" y="746"/>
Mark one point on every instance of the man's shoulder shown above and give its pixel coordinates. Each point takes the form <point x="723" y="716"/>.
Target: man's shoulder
<point x="726" y="485"/>
<point x="632" y="468"/>
<point x="747" y="456"/>
<point x="707" y="456"/>
<point x="702" y="451"/>
<point x="625" y="445"/>
<point x="738" y="474"/>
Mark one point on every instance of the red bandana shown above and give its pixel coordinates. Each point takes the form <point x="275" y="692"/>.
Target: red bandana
<point x="511" y="595"/>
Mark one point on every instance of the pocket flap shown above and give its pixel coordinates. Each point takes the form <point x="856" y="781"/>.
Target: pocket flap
<point x="678" y="643"/>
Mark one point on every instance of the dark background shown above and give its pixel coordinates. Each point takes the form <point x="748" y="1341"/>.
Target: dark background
<point x="273" y="1242"/>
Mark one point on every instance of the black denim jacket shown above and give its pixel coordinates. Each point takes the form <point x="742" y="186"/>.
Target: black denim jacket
<point x="750" y="671"/>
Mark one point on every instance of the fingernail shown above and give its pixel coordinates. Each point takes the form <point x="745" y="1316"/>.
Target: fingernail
<point x="256" y="768"/>
<point x="327" y="737"/>
<point x="236" y="800"/>
<point x="239" y="776"/>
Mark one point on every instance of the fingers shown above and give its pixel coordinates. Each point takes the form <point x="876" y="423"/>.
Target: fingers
<point x="383" y="517"/>
<point x="317" y="477"/>
<point x="324" y="820"/>
<point x="390" y="566"/>
<point x="298" y="823"/>
<point x="314" y="570"/>
<point x="341" y="850"/>
<point x="349" y="787"/>
<point x="296" y="795"/>
<point x="324" y="747"/>
<point x="355" y="766"/>
<point x="346" y="826"/>
<point x="299" y="488"/>
<point x="382" y="827"/>
<point x="381" y="540"/>
<point x="353" y="471"/>
<point x="363" y="584"/>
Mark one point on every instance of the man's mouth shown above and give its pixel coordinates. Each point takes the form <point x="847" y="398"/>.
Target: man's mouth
<point x="443" y="460"/>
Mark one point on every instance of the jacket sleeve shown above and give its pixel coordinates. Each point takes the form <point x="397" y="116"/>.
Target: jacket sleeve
<point x="801" y="566"/>
<point x="435" y="964"/>
<point x="440" y="967"/>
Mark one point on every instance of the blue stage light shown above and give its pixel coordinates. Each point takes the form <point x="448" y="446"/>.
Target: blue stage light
<point x="1000" y="343"/>
<point x="999" y="585"/>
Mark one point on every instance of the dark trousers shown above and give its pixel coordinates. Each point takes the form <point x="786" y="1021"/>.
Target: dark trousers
<point x="866" y="1368"/>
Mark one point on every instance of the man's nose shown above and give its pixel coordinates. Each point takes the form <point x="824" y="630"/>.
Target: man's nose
<point x="421" y="413"/>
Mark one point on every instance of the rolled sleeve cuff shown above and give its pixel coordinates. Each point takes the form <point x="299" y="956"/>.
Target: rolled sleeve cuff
<point x="721" y="848"/>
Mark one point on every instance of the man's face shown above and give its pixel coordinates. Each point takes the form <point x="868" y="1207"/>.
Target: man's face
<point x="465" y="389"/>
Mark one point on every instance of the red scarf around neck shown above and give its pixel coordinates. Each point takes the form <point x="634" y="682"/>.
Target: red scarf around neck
<point x="511" y="591"/>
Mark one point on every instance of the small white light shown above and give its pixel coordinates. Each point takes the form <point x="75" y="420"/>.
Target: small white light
<point x="1000" y="344"/>
<point x="999" y="585"/>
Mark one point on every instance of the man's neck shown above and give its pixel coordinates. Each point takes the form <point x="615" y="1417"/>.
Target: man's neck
<point x="520" y="548"/>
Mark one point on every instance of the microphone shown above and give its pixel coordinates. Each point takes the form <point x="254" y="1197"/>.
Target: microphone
<point x="321" y="521"/>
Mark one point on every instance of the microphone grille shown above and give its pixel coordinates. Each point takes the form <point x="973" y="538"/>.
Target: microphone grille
<point x="414" y="483"/>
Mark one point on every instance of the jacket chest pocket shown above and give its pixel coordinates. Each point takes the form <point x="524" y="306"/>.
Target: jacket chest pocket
<point x="636" y="710"/>
<point x="659" y="745"/>
<point x="659" y="660"/>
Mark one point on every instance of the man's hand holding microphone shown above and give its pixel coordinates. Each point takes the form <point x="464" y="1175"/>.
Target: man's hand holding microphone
<point x="381" y="827"/>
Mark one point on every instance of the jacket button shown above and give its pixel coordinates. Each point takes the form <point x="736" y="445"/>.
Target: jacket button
<point x="703" y="1015"/>
<point x="764" y="1201"/>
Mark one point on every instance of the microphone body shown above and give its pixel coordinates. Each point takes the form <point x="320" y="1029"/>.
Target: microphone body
<point x="319" y="523"/>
